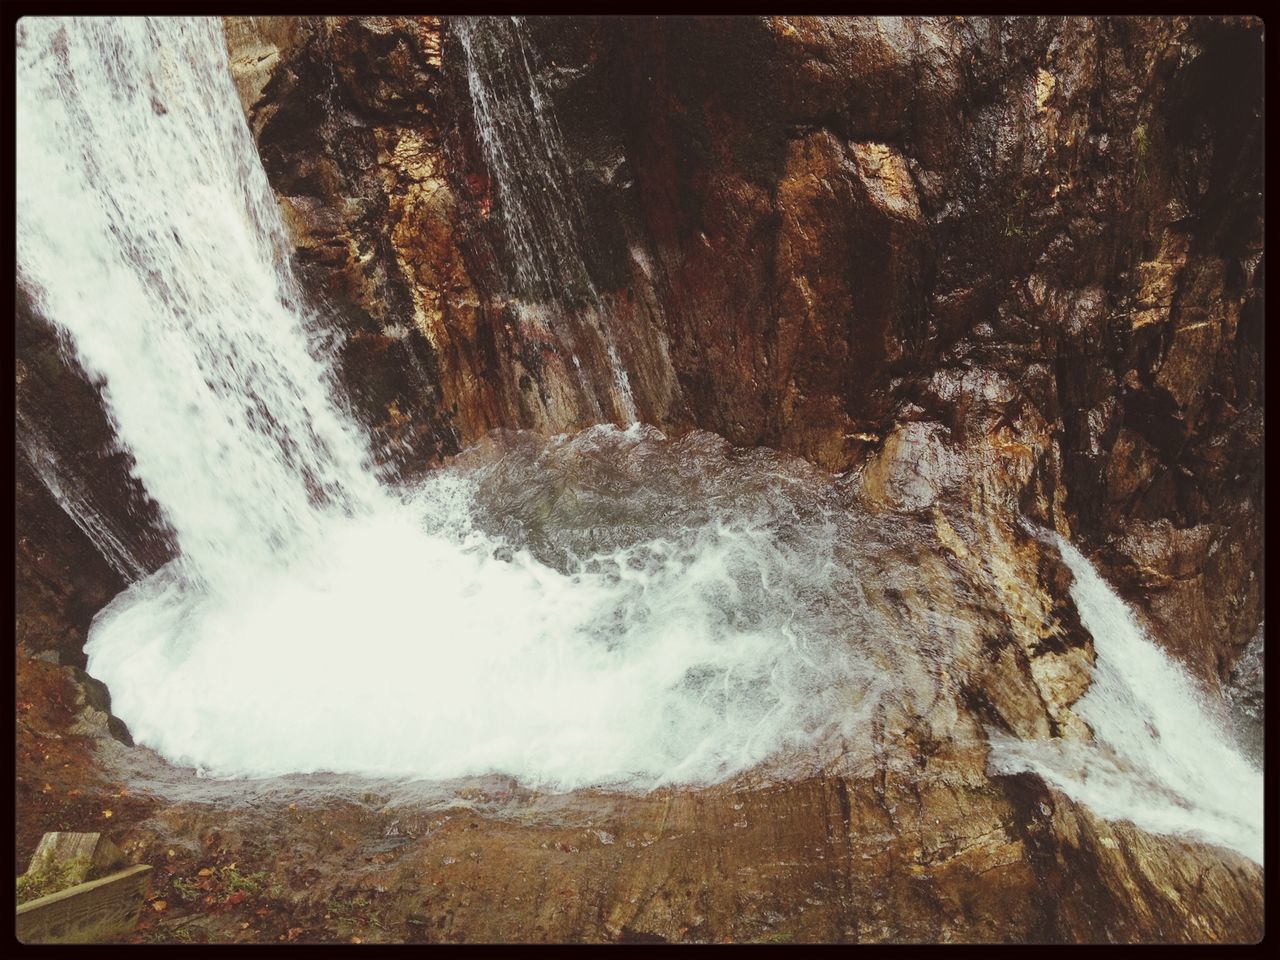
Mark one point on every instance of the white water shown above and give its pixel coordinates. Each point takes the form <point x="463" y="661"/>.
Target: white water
<point x="413" y="643"/>
<point x="540" y="210"/>
<point x="148" y="232"/>
<point x="1162" y="757"/>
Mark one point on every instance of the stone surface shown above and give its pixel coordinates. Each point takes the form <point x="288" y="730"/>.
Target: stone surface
<point x="933" y="854"/>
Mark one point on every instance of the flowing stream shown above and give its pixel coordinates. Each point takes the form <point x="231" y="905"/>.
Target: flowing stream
<point x="609" y="609"/>
<point x="149" y="234"/>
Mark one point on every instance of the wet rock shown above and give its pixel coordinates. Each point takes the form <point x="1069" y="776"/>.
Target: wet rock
<point x="85" y="526"/>
<point x="341" y="108"/>
<point x="914" y="468"/>
<point x="95" y="718"/>
<point x="798" y="224"/>
<point x="821" y="860"/>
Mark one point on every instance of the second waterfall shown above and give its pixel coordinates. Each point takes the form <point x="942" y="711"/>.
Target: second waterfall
<point x="541" y="212"/>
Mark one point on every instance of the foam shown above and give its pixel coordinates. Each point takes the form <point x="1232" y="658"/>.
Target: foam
<point x="411" y="644"/>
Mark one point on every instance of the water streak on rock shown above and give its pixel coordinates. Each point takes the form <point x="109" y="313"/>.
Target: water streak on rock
<point x="542" y="213"/>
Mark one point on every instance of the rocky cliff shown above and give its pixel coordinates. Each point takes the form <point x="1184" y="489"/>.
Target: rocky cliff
<point x="875" y="243"/>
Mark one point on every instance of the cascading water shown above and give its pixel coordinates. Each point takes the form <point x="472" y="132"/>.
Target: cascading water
<point x="608" y="609"/>
<point x="540" y="210"/>
<point x="147" y="232"/>
<point x="315" y="621"/>
<point x="1161" y="757"/>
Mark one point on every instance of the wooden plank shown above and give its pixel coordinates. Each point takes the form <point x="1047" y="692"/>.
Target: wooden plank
<point x="88" y="855"/>
<point x="88" y="912"/>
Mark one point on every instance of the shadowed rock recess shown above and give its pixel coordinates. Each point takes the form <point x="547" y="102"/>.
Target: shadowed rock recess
<point x="971" y="281"/>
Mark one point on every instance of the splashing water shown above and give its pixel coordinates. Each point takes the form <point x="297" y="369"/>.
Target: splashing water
<point x="315" y="621"/>
<point x="577" y="637"/>
<point x="148" y="233"/>
<point x="1162" y="757"/>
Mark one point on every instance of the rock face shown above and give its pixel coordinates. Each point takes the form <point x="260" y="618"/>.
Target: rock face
<point x="862" y="216"/>
<point x="829" y="236"/>
<point x="891" y="857"/>
<point x="345" y="131"/>
<point x="989" y="268"/>
<point x="84" y="526"/>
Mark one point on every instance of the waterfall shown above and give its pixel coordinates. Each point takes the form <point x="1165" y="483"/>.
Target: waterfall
<point x="541" y="212"/>
<point x="149" y="235"/>
<point x="607" y="609"/>
<point x="1161" y="757"/>
<point x="316" y="621"/>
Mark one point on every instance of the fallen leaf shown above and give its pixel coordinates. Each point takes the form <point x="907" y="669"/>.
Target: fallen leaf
<point x="245" y="925"/>
<point x="47" y="788"/>
<point x="205" y="872"/>
<point x="107" y="813"/>
<point x="160" y="906"/>
<point x="73" y="793"/>
<point x="355" y="939"/>
<point x="294" y="932"/>
<point x="236" y="898"/>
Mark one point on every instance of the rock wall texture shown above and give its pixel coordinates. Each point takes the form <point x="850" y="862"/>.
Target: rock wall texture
<point x="869" y="241"/>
